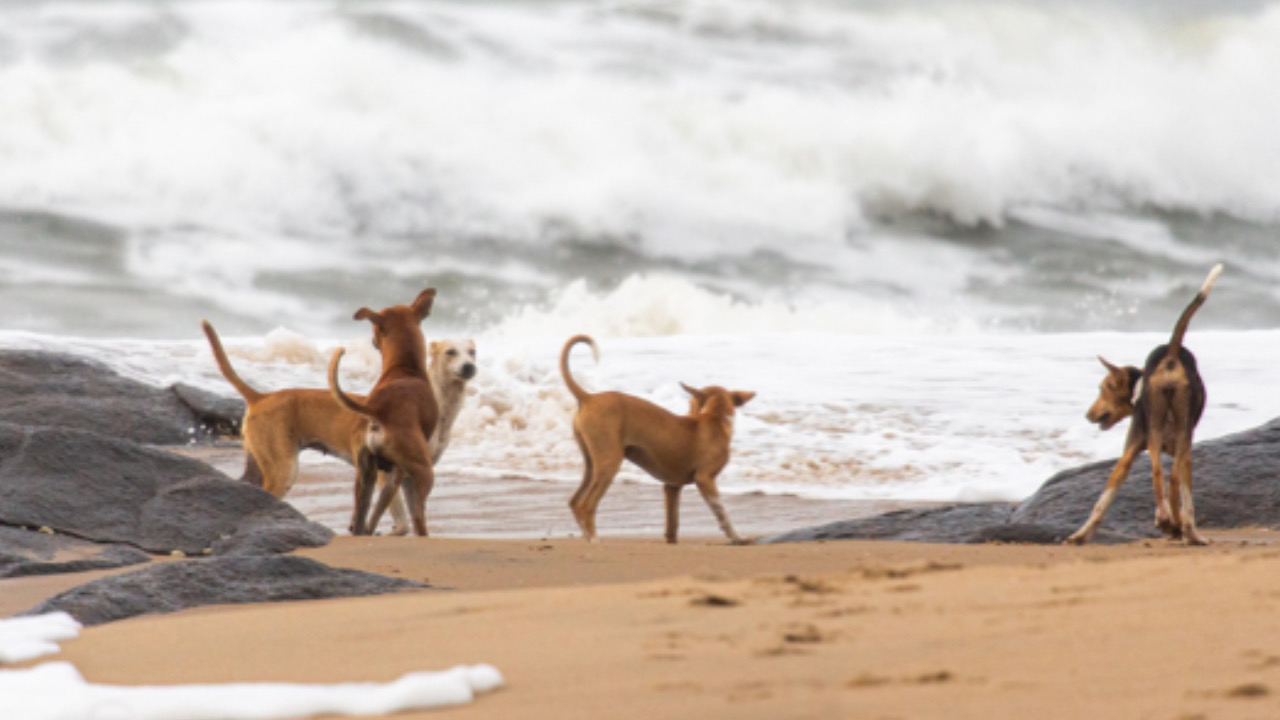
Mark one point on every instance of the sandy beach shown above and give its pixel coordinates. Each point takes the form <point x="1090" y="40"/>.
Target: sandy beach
<point x="634" y="628"/>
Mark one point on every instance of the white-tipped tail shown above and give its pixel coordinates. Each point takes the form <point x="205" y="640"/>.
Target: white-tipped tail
<point x="1208" y="282"/>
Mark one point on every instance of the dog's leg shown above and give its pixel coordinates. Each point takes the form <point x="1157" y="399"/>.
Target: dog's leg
<point x="399" y="516"/>
<point x="1182" y="477"/>
<point x="578" y="494"/>
<point x="673" y="510"/>
<point x="366" y="480"/>
<point x="1118" y="475"/>
<point x="391" y="483"/>
<point x="604" y="466"/>
<point x="252" y="472"/>
<point x="707" y="486"/>
<point x="1155" y="448"/>
<point x="418" y="483"/>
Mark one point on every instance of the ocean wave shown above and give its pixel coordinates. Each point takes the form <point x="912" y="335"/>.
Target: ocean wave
<point x="695" y="127"/>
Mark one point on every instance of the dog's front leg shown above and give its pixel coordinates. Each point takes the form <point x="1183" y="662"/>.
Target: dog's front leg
<point x="707" y="487"/>
<point x="1117" y="478"/>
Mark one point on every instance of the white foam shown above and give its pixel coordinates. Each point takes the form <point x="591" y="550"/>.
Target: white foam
<point x="57" y="691"/>
<point x="699" y="128"/>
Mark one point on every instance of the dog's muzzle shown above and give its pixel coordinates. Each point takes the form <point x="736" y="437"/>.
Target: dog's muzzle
<point x="468" y="371"/>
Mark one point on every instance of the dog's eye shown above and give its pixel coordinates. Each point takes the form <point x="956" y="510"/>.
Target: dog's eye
<point x="452" y="353"/>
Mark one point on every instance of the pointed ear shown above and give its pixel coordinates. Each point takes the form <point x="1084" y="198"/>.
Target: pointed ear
<point x="741" y="397"/>
<point x="422" y="303"/>
<point x="365" y="313"/>
<point x="1107" y="365"/>
<point x="693" y="391"/>
<point x="434" y="347"/>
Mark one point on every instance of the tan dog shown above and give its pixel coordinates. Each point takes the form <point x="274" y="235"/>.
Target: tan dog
<point x="401" y="409"/>
<point x="612" y="426"/>
<point x="278" y="425"/>
<point x="1170" y="399"/>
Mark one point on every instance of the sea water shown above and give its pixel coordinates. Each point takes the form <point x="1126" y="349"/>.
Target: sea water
<point x="910" y="227"/>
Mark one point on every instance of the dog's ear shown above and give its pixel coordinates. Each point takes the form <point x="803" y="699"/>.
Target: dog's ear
<point x="433" y="348"/>
<point x="741" y="397"/>
<point x="365" y="313"/>
<point x="695" y="392"/>
<point x="1110" y="368"/>
<point x="422" y="304"/>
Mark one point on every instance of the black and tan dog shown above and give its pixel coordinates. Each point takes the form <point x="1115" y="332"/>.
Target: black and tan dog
<point x="611" y="426"/>
<point x="1166" y="398"/>
<point x="402" y="413"/>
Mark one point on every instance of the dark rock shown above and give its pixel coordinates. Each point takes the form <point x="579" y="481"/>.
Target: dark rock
<point x="169" y="587"/>
<point x="216" y="415"/>
<point x="27" y="552"/>
<point x="108" y="490"/>
<point x="60" y="390"/>
<point x="947" y="524"/>
<point x="1236" y="484"/>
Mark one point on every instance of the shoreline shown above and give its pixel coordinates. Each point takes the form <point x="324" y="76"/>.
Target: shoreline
<point x="635" y="629"/>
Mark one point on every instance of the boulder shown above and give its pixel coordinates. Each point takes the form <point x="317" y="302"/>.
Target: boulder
<point x="27" y="552"/>
<point x="1236" y="484"/>
<point x="115" y="491"/>
<point x="172" y="586"/>
<point x="54" y="389"/>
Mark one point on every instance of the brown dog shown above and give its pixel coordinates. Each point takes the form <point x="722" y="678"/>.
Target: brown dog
<point x="1170" y="399"/>
<point x="612" y="426"/>
<point x="401" y="409"/>
<point x="278" y="425"/>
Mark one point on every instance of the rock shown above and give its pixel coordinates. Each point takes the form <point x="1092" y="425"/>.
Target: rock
<point x="59" y="390"/>
<point x="109" y="490"/>
<point x="946" y="524"/>
<point x="216" y="415"/>
<point x="172" y="586"/>
<point x="1236" y="484"/>
<point x="26" y="552"/>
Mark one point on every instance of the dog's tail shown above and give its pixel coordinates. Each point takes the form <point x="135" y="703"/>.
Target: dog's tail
<point x="343" y="399"/>
<point x="578" y="393"/>
<point x="248" y="393"/>
<point x="1180" y="330"/>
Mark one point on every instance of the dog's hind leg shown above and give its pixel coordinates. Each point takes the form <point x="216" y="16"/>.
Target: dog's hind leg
<point x="604" y="466"/>
<point x="419" y="479"/>
<point x="1118" y="475"/>
<point x="586" y="476"/>
<point x="672" y="492"/>
<point x="1182" y="479"/>
<point x="391" y="483"/>
<point x="707" y="487"/>
<point x="366" y="480"/>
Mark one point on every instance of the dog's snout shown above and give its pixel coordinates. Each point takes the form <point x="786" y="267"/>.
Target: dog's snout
<point x="468" y="371"/>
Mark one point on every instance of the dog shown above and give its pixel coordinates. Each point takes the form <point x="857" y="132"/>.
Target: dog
<point x="677" y="450"/>
<point x="402" y="413"/>
<point x="1170" y="398"/>
<point x="278" y="425"/>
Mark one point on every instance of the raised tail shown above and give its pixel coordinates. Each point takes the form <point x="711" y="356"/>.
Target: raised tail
<point x="578" y="393"/>
<point x="248" y="393"/>
<point x="343" y="399"/>
<point x="1180" y="330"/>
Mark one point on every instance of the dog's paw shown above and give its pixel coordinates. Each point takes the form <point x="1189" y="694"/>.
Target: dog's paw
<point x="742" y="541"/>
<point x="1079" y="537"/>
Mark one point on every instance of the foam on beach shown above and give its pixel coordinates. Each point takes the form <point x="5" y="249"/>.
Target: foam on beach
<point x="56" y="690"/>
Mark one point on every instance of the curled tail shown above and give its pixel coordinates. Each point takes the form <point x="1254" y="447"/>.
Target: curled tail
<point x="343" y="399"/>
<point x="578" y="393"/>
<point x="1180" y="330"/>
<point x="248" y="393"/>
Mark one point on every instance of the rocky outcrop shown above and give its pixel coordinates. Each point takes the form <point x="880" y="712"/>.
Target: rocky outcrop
<point x="114" y="491"/>
<point x="1237" y="484"/>
<point x="28" y="552"/>
<point x="169" y="587"/>
<point x="60" y="390"/>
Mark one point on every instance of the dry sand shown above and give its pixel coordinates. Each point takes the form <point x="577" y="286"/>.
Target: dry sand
<point x="632" y="628"/>
<point x="637" y="629"/>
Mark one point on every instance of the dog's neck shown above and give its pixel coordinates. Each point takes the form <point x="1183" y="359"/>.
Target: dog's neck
<point x="408" y="358"/>
<point x="449" y="391"/>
